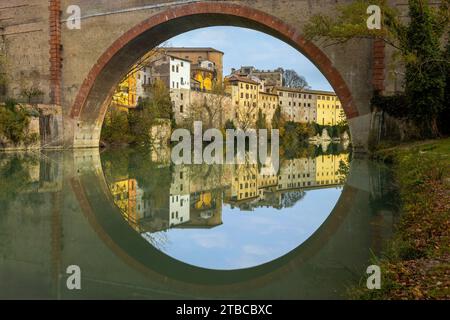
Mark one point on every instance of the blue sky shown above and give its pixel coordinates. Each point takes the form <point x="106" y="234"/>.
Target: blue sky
<point x="247" y="239"/>
<point x="248" y="47"/>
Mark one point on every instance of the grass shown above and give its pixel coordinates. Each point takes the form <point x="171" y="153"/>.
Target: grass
<point x="415" y="263"/>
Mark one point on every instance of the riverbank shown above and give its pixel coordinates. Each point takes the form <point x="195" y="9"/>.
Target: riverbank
<point x="416" y="261"/>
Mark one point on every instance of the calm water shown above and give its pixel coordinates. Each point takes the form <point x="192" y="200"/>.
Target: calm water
<point x="139" y="227"/>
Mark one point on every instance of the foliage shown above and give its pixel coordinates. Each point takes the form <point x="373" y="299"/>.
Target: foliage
<point x="396" y="105"/>
<point x="14" y="121"/>
<point x="135" y="126"/>
<point x="415" y="261"/>
<point x="277" y="119"/>
<point x="418" y="48"/>
<point x="445" y="113"/>
<point x="229" y="124"/>
<point x="425" y="77"/>
<point x="292" y="79"/>
<point x="261" y="120"/>
<point x="116" y="129"/>
<point x="210" y="110"/>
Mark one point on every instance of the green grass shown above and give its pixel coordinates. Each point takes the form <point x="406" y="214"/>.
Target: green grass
<point x="415" y="263"/>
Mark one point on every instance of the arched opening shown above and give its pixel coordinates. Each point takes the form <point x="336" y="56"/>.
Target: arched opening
<point x="91" y="103"/>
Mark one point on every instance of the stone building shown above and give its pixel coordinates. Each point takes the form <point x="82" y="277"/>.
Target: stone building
<point x="197" y="56"/>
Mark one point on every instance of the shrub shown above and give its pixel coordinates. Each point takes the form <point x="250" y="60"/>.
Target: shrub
<point x="14" y="122"/>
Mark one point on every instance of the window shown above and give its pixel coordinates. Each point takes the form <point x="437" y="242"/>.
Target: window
<point x="182" y="64"/>
<point x="177" y="69"/>
<point x="181" y="94"/>
<point x="182" y="81"/>
<point x="173" y="68"/>
<point x="181" y="108"/>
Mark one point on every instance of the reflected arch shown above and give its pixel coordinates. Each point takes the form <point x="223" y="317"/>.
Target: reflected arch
<point x="96" y="202"/>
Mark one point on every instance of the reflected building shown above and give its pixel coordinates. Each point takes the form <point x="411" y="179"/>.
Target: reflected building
<point x="197" y="193"/>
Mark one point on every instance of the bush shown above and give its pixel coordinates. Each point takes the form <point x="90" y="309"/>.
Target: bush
<point x="14" y="122"/>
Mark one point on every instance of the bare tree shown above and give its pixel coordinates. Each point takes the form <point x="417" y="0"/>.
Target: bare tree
<point x="246" y="116"/>
<point x="292" y="79"/>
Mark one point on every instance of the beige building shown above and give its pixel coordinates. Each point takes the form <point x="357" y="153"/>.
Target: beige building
<point x="297" y="105"/>
<point x="268" y="103"/>
<point x="244" y="94"/>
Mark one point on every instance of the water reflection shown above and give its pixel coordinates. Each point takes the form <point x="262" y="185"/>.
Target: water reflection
<point x="62" y="208"/>
<point x="226" y="216"/>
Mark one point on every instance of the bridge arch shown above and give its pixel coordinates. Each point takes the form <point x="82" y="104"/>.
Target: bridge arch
<point x="91" y="103"/>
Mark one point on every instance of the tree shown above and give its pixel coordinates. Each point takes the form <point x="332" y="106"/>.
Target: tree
<point x="246" y="116"/>
<point x="115" y="128"/>
<point x="425" y="75"/>
<point x="278" y="119"/>
<point x="213" y="105"/>
<point x="292" y="79"/>
<point x="417" y="49"/>
<point x="229" y="124"/>
<point x="261" y="120"/>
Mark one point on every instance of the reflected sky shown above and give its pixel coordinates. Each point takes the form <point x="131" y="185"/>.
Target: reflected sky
<point x="251" y="238"/>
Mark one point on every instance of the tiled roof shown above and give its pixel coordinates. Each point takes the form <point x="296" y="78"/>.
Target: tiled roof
<point x="187" y="49"/>
<point x="241" y="79"/>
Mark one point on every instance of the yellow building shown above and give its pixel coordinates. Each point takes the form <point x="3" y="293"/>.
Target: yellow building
<point x="244" y="99"/>
<point x="327" y="169"/>
<point x="124" y="197"/>
<point x="125" y="96"/>
<point x="328" y="108"/>
<point x="244" y="182"/>
<point x="204" y="77"/>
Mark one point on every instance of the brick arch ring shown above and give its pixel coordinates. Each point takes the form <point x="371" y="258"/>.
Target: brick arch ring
<point x="90" y="104"/>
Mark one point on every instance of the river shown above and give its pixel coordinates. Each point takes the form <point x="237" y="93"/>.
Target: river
<point x="139" y="227"/>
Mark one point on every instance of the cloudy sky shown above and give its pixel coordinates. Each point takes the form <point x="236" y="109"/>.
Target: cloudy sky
<point x="248" y="47"/>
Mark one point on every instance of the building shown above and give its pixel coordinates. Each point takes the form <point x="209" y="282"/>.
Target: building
<point x="267" y="103"/>
<point x="175" y="73"/>
<point x="204" y="74"/>
<point x="270" y="77"/>
<point x="125" y="96"/>
<point x="296" y="105"/>
<point x="197" y="56"/>
<point x="327" y="169"/>
<point x="329" y="108"/>
<point x="244" y="99"/>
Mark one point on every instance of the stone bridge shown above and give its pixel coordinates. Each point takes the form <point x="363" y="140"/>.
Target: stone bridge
<point x="78" y="69"/>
